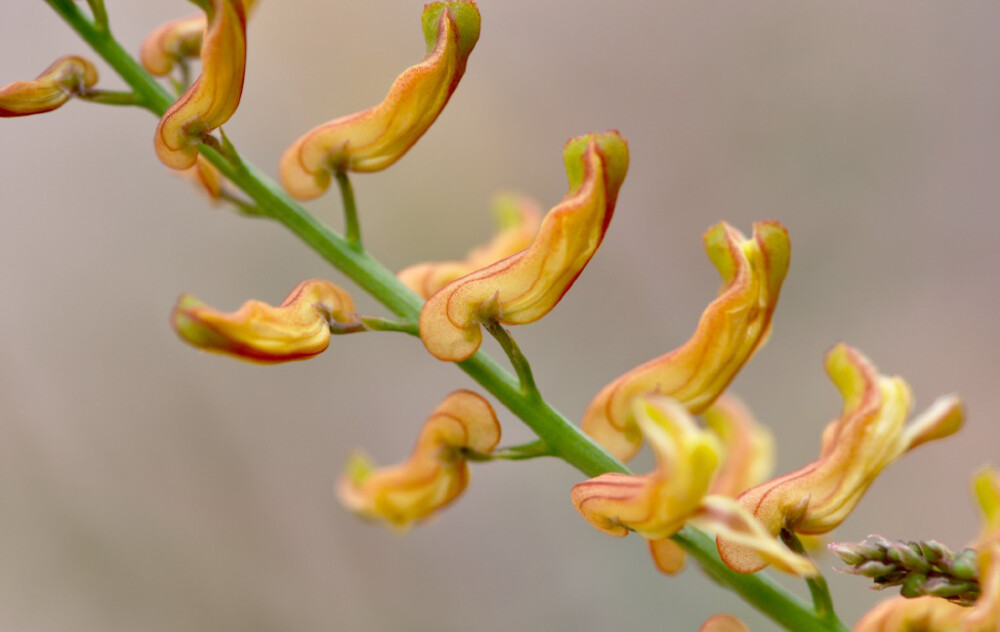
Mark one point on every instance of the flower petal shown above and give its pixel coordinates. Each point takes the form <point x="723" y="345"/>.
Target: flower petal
<point x="174" y="41"/>
<point x="749" y="446"/>
<point x="374" y="139"/>
<point x="723" y="623"/>
<point x="869" y="436"/>
<point x="518" y="219"/>
<point x="66" y="76"/>
<point x="213" y="97"/>
<point x="297" y="329"/>
<point x="524" y="287"/>
<point x="436" y="472"/>
<point x="731" y="329"/>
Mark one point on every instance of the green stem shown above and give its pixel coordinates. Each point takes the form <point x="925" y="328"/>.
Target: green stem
<point x="531" y="450"/>
<point x="100" y="15"/>
<point x="822" y="602"/>
<point x="108" y="97"/>
<point x="563" y="438"/>
<point x="520" y="363"/>
<point x="352" y="228"/>
<point x="374" y="323"/>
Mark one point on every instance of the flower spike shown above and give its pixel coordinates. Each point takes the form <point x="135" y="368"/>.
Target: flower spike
<point x="297" y="329"/>
<point x="436" y="472"/>
<point x="524" y="287"/>
<point x="374" y="139"/>
<point x="730" y="331"/>
<point x="933" y="614"/>
<point x="869" y="435"/>
<point x="213" y="97"/>
<point x="66" y="76"/>
<point x="175" y="41"/>
<point x="518" y="219"/>
<point x="657" y="505"/>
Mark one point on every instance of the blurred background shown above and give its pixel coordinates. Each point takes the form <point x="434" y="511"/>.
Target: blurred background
<point x="148" y="486"/>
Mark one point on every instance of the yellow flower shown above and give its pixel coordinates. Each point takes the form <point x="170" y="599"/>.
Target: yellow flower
<point x="174" y="41"/>
<point x="297" y="329"/>
<point x="518" y="219"/>
<point x="932" y="614"/>
<point x="525" y="286"/>
<point x="66" y="76"/>
<point x="723" y="623"/>
<point x="375" y="138"/>
<point x="657" y="505"/>
<point x="748" y="457"/>
<point x="213" y="97"/>
<point x="869" y="435"/>
<point x="436" y="472"/>
<point x="731" y="329"/>
<point x="206" y="178"/>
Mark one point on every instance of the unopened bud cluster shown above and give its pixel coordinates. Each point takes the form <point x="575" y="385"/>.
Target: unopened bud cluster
<point x="918" y="567"/>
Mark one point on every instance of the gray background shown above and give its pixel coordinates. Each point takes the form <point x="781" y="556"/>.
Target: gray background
<point x="146" y="486"/>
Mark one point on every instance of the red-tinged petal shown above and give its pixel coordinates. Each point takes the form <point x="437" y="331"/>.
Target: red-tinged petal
<point x="668" y="556"/>
<point x="297" y="329"/>
<point x="869" y="435"/>
<point x="214" y="96"/>
<point x="436" y="472"/>
<point x="58" y="83"/>
<point x="374" y="139"/>
<point x="518" y="219"/>
<point x="922" y="614"/>
<point x="524" y="287"/>
<point x="174" y="41"/>
<point x="730" y="331"/>
<point x="749" y="446"/>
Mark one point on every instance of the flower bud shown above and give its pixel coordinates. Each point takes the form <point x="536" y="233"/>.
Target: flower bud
<point x="297" y="329"/>
<point x="870" y="434"/>
<point x="723" y="623"/>
<point x="213" y="97"/>
<point x="731" y="329"/>
<point x="524" y="287"/>
<point x="436" y="472"/>
<point x="374" y="139"/>
<point x="174" y="41"/>
<point x="518" y="219"/>
<point x="66" y="77"/>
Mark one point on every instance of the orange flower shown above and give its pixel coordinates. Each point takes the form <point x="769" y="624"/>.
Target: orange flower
<point x="748" y="457"/>
<point x="657" y="505"/>
<point x="931" y="614"/>
<point x="174" y="41"/>
<point x="213" y="97"/>
<point x="526" y="286"/>
<point x="723" y="623"/>
<point x="518" y="219"/>
<point x="374" y="139"/>
<point x="869" y="435"/>
<point x="206" y="178"/>
<point x="731" y="329"/>
<point x="436" y="472"/>
<point x="297" y="329"/>
<point x="66" y="76"/>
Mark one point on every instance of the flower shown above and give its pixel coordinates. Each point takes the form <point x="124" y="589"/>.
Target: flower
<point x="525" y="286"/>
<point x="175" y="41"/>
<point x="731" y="329"/>
<point x="213" y="97"/>
<point x="657" y="505"/>
<point x="518" y="219"/>
<point x="374" y="139"/>
<point x="932" y="614"/>
<point x="66" y="76"/>
<point x="869" y="435"/>
<point x="723" y="623"/>
<point x="747" y="459"/>
<point x="436" y="472"/>
<point x="297" y="329"/>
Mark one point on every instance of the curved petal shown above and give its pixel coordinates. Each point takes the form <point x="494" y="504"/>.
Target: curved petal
<point x="374" y="139"/>
<point x="436" y="472"/>
<point x="723" y="623"/>
<point x="869" y="435"/>
<point x="58" y="83"/>
<point x="214" y="96"/>
<point x="518" y="219"/>
<point x="731" y="329"/>
<point x="524" y="287"/>
<point x="749" y="446"/>
<point x="176" y="40"/>
<point x="297" y="329"/>
<point x="926" y="614"/>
